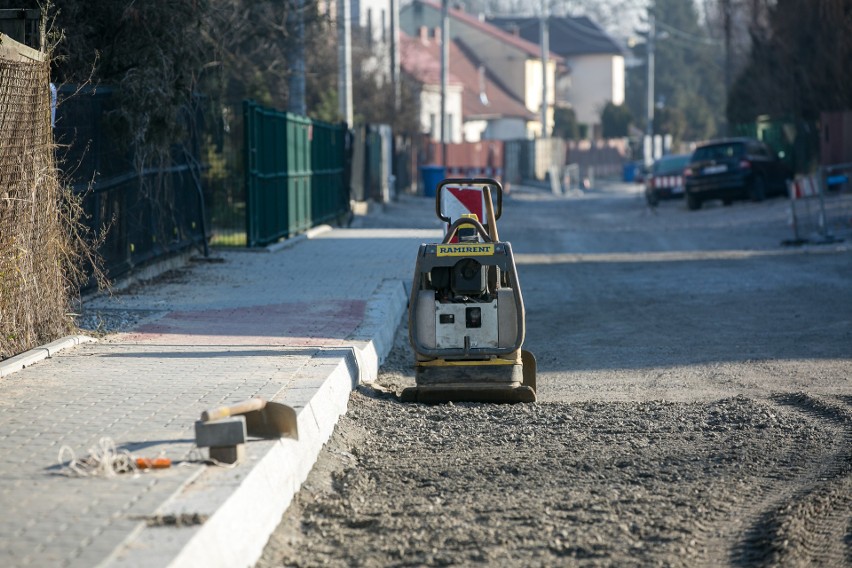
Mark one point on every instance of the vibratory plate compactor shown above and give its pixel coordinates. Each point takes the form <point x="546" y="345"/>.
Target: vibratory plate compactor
<point x="466" y="314"/>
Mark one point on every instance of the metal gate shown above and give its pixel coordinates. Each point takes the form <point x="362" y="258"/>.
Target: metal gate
<point x="294" y="169"/>
<point x="821" y="206"/>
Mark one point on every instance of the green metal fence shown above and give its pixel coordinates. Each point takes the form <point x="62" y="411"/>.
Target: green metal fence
<point x="294" y="169"/>
<point x="796" y="141"/>
<point x="330" y="193"/>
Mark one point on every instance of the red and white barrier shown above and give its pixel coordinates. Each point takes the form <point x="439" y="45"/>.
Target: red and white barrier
<point x="804" y="186"/>
<point x="820" y="213"/>
<point x="460" y="200"/>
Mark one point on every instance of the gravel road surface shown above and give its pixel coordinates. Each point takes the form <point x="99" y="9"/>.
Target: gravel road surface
<point x="695" y="407"/>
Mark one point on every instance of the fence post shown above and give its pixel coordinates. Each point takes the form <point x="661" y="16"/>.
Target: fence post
<point x="793" y="197"/>
<point x="823" y="186"/>
<point x="249" y="167"/>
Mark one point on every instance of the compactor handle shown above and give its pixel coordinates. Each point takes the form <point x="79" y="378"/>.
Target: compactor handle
<point x="233" y="410"/>
<point x="458" y="223"/>
<point x="489" y="215"/>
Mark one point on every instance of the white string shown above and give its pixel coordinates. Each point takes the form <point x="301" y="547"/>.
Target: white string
<point x="103" y="460"/>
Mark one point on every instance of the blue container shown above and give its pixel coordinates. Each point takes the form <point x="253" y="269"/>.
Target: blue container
<point x="431" y="176"/>
<point x="630" y="171"/>
<point x="835" y="182"/>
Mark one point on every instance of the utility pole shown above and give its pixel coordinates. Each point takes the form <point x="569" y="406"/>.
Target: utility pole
<point x="394" y="51"/>
<point x="545" y="49"/>
<point x="445" y="78"/>
<point x="296" y="84"/>
<point x="726" y="22"/>
<point x="649" y="128"/>
<point x="344" y="61"/>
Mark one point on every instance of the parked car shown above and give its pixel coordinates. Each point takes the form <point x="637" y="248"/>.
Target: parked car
<point x="734" y="168"/>
<point x="665" y="180"/>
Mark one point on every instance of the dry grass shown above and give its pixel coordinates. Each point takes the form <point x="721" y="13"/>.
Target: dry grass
<point x="42" y="251"/>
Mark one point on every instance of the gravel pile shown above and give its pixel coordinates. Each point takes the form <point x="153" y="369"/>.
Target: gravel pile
<point x="595" y="483"/>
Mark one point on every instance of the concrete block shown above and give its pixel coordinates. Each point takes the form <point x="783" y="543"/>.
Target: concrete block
<point x="220" y="433"/>
<point x="228" y="454"/>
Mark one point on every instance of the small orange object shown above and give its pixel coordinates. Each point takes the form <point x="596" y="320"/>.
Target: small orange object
<point x="156" y="463"/>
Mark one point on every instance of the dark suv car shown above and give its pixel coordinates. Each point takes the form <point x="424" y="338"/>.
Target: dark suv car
<point x="734" y="168"/>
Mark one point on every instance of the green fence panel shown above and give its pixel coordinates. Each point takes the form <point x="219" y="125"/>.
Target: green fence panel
<point x="266" y="175"/>
<point x="294" y="173"/>
<point x="330" y="196"/>
<point x="299" y="182"/>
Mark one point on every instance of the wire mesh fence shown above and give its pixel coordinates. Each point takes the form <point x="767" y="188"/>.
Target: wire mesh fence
<point x="33" y="242"/>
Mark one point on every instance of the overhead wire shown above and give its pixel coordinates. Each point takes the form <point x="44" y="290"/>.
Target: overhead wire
<point x="686" y="35"/>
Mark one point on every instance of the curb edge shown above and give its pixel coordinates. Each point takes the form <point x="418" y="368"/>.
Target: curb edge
<point x="27" y="358"/>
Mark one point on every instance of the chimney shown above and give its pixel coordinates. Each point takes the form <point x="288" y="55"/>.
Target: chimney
<point x="423" y="32"/>
<point x="438" y="35"/>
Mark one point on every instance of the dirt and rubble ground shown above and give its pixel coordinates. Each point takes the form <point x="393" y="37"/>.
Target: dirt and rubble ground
<point x="695" y="408"/>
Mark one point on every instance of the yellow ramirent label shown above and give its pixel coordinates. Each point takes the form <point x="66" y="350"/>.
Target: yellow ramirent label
<point x="465" y="249"/>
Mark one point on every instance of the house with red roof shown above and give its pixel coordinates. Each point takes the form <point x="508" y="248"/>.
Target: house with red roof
<point x="500" y="74"/>
<point x="420" y="58"/>
<point x="477" y="100"/>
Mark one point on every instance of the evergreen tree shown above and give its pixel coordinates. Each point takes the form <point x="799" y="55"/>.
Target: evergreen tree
<point x="615" y="120"/>
<point x="565" y="123"/>
<point x="801" y="67"/>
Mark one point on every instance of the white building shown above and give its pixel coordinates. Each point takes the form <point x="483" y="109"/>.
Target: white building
<point x="420" y="58"/>
<point x="475" y="98"/>
<point x="508" y="58"/>
<point x="594" y="63"/>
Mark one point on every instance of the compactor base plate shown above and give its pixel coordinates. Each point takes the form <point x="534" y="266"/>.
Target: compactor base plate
<point x="448" y="382"/>
<point x="439" y="394"/>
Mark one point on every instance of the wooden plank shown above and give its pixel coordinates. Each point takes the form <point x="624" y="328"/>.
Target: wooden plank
<point x="14" y="51"/>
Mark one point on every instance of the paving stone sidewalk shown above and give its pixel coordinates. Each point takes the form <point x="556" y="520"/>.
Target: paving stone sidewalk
<point x="295" y="326"/>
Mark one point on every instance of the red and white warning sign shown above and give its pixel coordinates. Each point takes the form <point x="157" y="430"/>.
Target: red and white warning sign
<point x="459" y="200"/>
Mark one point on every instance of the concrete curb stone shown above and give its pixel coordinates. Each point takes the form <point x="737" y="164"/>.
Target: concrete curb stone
<point x="287" y="243"/>
<point x="27" y="358"/>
